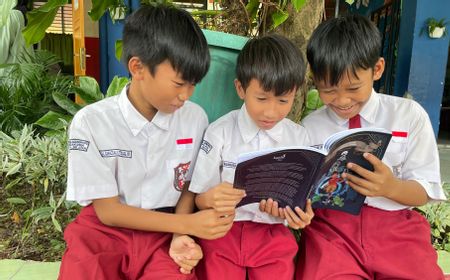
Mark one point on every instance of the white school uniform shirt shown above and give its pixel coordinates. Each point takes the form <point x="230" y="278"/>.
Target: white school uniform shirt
<point x="234" y="134"/>
<point x="412" y="153"/>
<point x="115" y="151"/>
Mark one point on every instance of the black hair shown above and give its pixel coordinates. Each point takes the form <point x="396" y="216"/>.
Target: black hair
<point x="274" y="61"/>
<point x="155" y="34"/>
<point x="342" y="46"/>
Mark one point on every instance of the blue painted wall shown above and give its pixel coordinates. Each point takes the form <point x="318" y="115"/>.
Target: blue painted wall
<point x="421" y="62"/>
<point x="109" y="33"/>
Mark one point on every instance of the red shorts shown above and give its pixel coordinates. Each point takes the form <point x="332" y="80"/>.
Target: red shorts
<point x="376" y="244"/>
<point x="96" y="251"/>
<point x="259" y="251"/>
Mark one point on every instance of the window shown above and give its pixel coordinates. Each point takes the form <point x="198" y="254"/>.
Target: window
<point x="62" y="23"/>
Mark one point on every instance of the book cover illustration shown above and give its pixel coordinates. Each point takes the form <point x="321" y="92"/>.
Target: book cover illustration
<point x="332" y="191"/>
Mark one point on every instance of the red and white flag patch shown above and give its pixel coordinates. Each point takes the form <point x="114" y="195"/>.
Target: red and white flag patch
<point x="185" y="144"/>
<point x="401" y="134"/>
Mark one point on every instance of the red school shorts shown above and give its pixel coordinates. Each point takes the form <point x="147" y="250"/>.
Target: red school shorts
<point x="377" y="244"/>
<point x="96" y="251"/>
<point x="252" y="250"/>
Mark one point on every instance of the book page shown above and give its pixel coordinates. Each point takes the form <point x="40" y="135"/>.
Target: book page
<point x="285" y="176"/>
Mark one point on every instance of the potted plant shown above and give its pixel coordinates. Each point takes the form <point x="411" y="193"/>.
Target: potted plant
<point x="435" y="27"/>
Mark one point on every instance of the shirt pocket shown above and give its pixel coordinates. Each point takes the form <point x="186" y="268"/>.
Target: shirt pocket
<point x="395" y="155"/>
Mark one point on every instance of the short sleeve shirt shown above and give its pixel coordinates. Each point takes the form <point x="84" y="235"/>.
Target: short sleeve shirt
<point x="115" y="151"/>
<point x="227" y="138"/>
<point x="412" y="153"/>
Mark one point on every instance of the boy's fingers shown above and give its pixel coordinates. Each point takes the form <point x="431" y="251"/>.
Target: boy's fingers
<point x="262" y="205"/>
<point x="294" y="218"/>
<point x="274" y="209"/>
<point x="359" y="170"/>
<point x="359" y="189"/>
<point x="289" y="220"/>
<point x="233" y="192"/>
<point x="309" y="209"/>
<point x="305" y="217"/>
<point x="269" y="205"/>
<point x="281" y="212"/>
<point x="376" y="162"/>
<point x="358" y="181"/>
<point x="185" y="271"/>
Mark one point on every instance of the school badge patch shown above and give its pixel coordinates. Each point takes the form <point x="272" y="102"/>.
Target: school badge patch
<point x="180" y="173"/>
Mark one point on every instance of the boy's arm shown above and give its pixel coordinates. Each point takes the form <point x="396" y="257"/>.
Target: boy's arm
<point x="208" y="224"/>
<point x="183" y="249"/>
<point x="382" y="182"/>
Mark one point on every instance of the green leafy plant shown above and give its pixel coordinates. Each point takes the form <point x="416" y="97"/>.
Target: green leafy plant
<point x="26" y="89"/>
<point x="89" y="90"/>
<point x="438" y="215"/>
<point x="255" y="18"/>
<point x="33" y="174"/>
<point x="431" y="24"/>
<point x="312" y="103"/>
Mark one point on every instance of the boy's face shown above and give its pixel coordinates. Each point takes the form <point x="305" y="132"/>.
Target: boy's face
<point x="263" y="107"/>
<point x="348" y="97"/>
<point x="164" y="91"/>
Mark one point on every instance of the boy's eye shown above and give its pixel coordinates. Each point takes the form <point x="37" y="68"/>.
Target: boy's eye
<point x="179" y="84"/>
<point x="261" y="98"/>
<point x="283" y="101"/>
<point x="353" y="89"/>
<point x="327" y="91"/>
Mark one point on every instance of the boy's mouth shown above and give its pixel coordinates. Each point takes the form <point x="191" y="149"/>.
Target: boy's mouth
<point x="344" y="110"/>
<point x="267" y="124"/>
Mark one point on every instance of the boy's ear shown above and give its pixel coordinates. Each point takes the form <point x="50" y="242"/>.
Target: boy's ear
<point x="136" y="68"/>
<point x="378" y="69"/>
<point x="239" y="89"/>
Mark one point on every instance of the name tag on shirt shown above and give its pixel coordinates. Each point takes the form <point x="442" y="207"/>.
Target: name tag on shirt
<point x="185" y="144"/>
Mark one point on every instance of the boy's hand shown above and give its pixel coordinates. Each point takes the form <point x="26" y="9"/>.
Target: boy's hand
<point x="185" y="252"/>
<point x="377" y="183"/>
<point x="296" y="220"/>
<point x="210" y="224"/>
<point x="222" y="198"/>
<point x="299" y="219"/>
<point x="271" y="207"/>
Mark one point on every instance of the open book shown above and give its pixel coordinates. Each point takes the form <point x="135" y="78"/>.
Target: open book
<point x="291" y="175"/>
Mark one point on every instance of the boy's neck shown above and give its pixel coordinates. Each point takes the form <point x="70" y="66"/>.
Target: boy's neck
<point x="138" y="103"/>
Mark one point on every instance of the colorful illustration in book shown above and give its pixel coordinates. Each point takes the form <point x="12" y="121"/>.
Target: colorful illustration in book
<point x="332" y="188"/>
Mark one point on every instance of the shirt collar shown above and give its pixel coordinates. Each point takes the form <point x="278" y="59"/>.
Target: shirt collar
<point x="249" y="129"/>
<point x="135" y="120"/>
<point x="367" y="113"/>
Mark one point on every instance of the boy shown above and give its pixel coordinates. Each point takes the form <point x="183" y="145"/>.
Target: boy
<point x="269" y="72"/>
<point x="387" y="240"/>
<point x="130" y="159"/>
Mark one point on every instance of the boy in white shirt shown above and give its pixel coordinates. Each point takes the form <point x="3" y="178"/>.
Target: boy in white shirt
<point x="269" y="71"/>
<point x="131" y="156"/>
<point x="387" y="240"/>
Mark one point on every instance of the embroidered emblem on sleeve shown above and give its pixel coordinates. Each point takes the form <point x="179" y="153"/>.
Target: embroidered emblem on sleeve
<point x="206" y="146"/>
<point x="180" y="173"/>
<point x="229" y="164"/>
<point x="78" y="145"/>
<point x="116" y="153"/>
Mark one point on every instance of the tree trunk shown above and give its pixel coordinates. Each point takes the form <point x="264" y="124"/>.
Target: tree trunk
<point x="299" y="27"/>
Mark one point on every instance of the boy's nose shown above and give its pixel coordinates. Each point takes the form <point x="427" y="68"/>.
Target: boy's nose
<point x="342" y="101"/>
<point x="270" y="111"/>
<point x="186" y="93"/>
